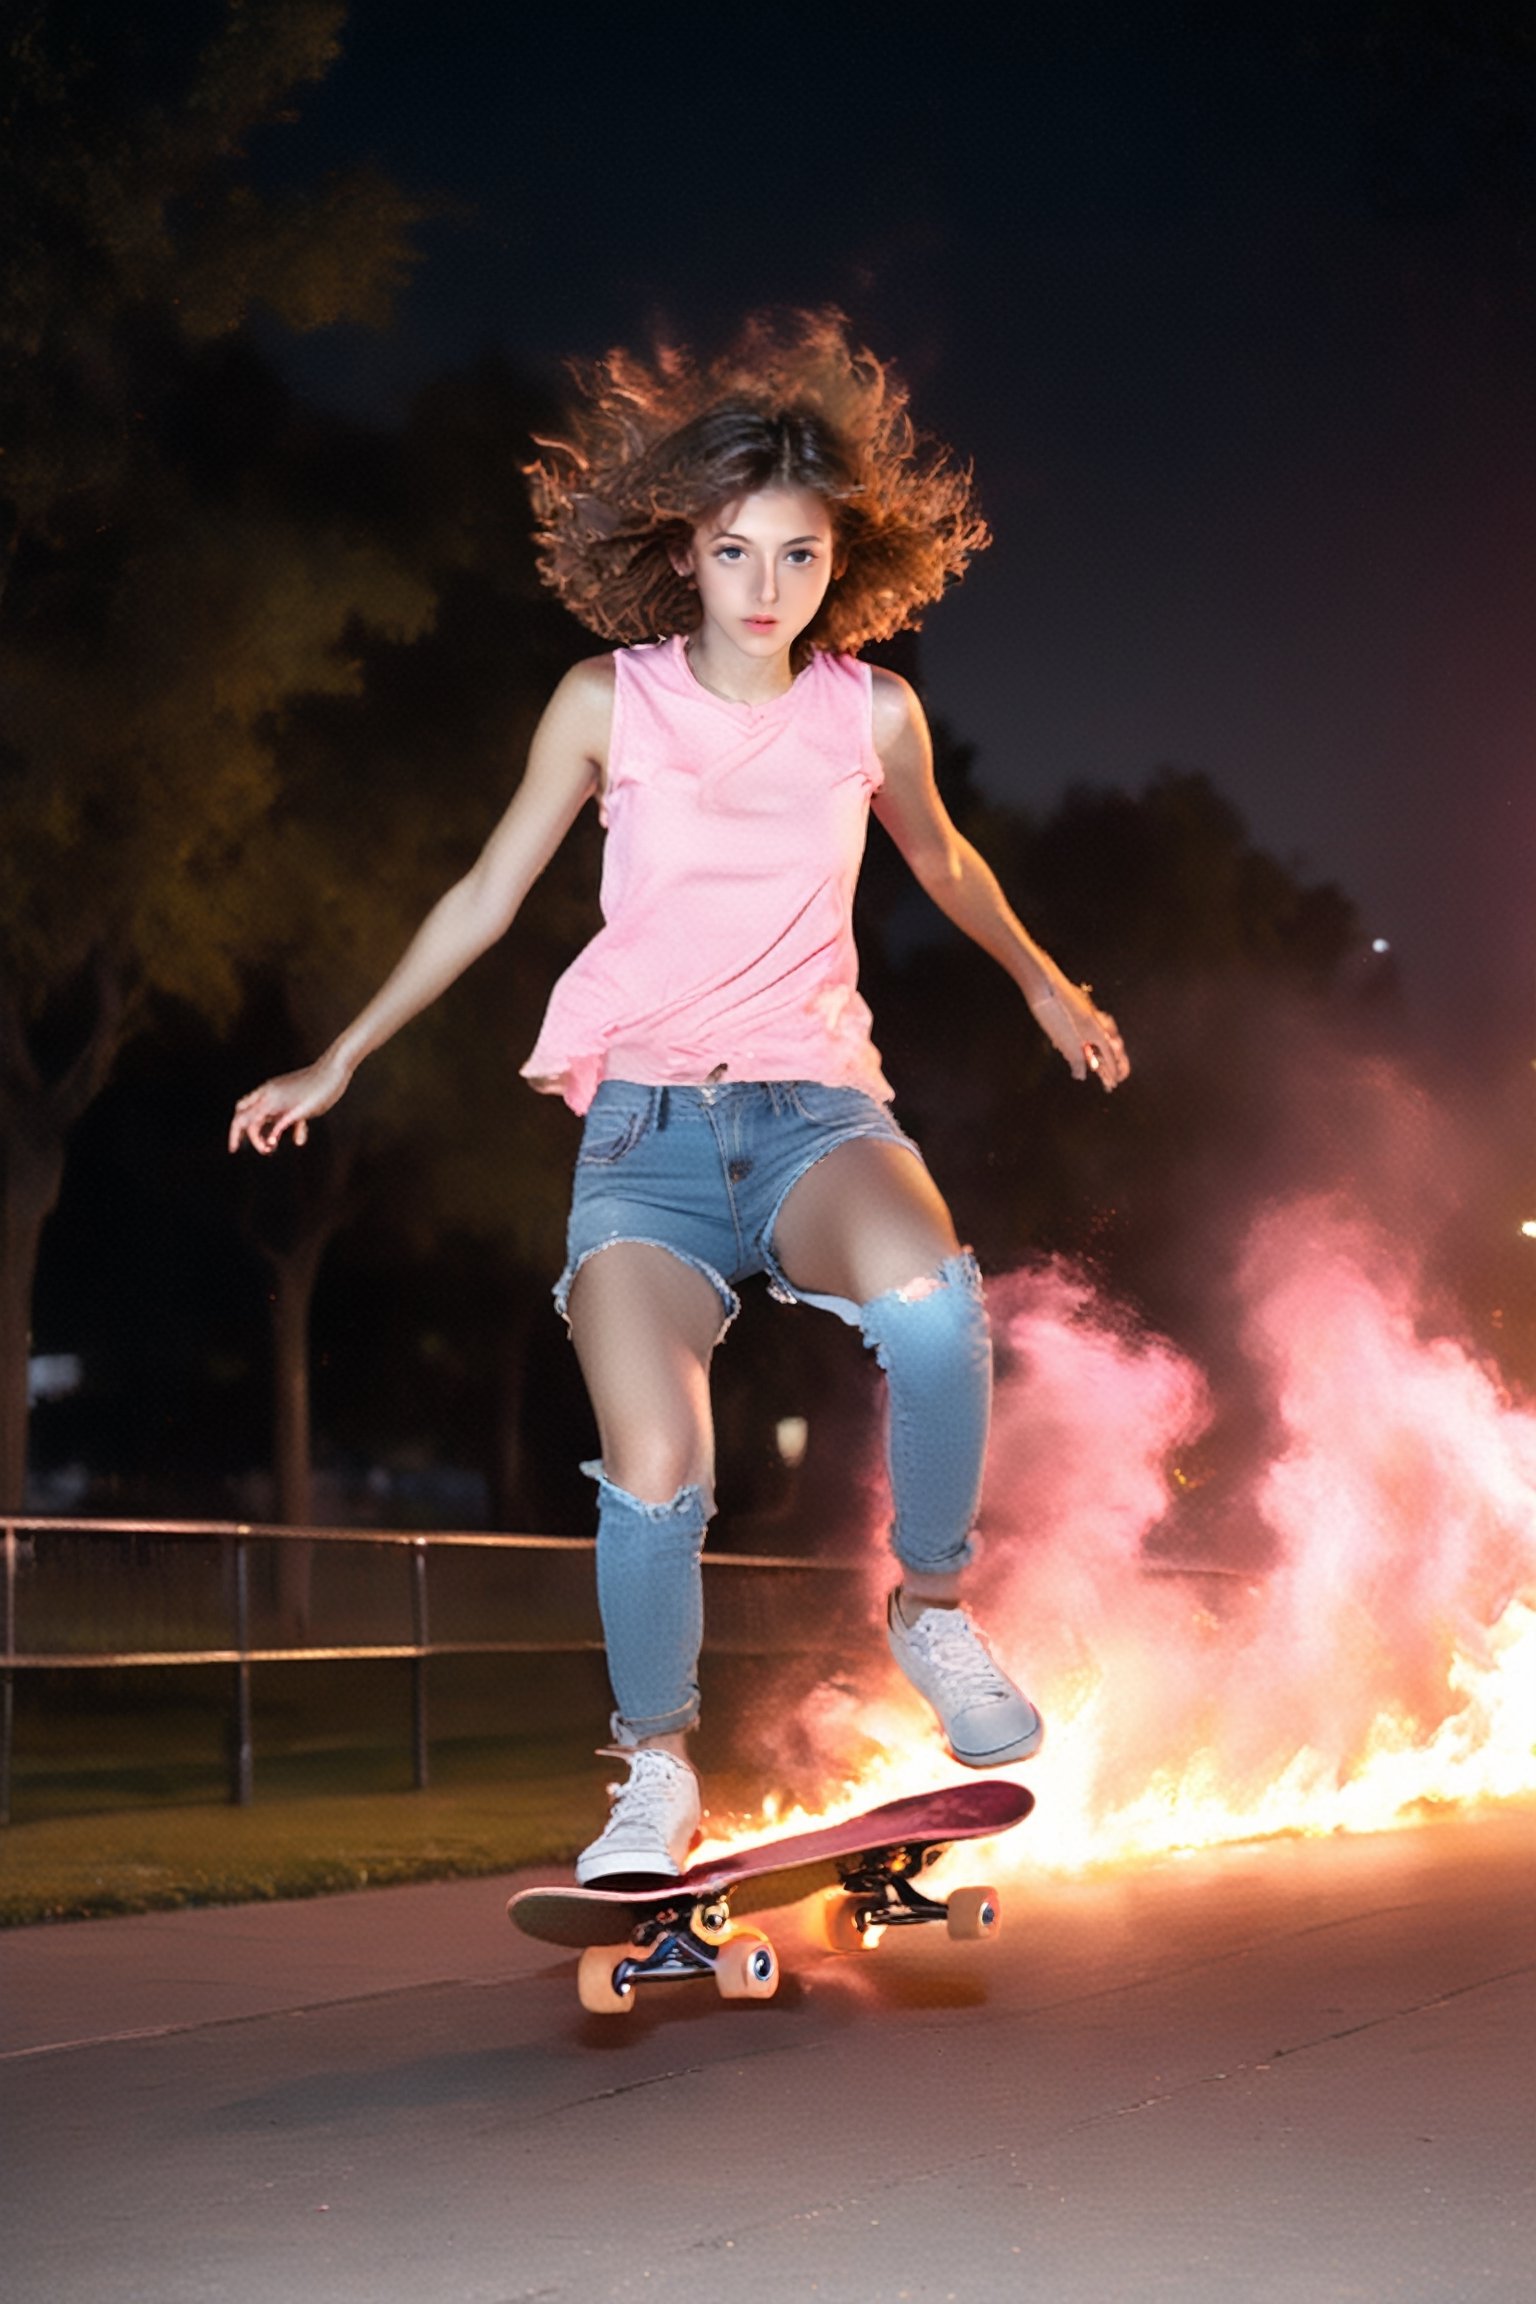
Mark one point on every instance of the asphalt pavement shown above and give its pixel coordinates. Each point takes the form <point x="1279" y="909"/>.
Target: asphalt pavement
<point x="1277" y="2074"/>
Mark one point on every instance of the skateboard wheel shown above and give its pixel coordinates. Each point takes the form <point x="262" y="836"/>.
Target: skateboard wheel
<point x="747" y="1968"/>
<point x="711" y="1921"/>
<point x="973" y="1912"/>
<point x="597" y="1987"/>
<point x="837" y="1922"/>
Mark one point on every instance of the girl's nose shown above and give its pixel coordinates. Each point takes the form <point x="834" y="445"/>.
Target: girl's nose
<point x="768" y="583"/>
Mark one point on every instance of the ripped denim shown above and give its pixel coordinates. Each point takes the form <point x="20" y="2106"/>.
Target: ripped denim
<point x="650" y="1593"/>
<point x="935" y="1346"/>
<point x="704" y="1173"/>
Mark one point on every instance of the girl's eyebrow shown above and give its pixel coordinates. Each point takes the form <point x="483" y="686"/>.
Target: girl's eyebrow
<point x="734" y="536"/>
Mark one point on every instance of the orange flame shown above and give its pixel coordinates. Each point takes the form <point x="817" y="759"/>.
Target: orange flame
<point x="1378" y="1664"/>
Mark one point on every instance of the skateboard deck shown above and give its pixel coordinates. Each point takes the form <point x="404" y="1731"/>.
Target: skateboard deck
<point x="867" y="1864"/>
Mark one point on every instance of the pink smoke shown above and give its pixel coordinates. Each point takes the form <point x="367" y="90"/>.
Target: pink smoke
<point x="1399" y="1501"/>
<point x="1391" y="1514"/>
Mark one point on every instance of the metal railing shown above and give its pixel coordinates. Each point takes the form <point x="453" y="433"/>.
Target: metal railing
<point x="23" y="1536"/>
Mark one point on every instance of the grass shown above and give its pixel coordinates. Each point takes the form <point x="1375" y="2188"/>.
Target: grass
<point x="120" y="1797"/>
<point x="153" y="1859"/>
<point x="120" y="1800"/>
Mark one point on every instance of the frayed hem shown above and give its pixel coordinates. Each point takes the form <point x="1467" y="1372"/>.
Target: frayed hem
<point x="959" y="1271"/>
<point x="628" y="1735"/>
<point x="693" y="1497"/>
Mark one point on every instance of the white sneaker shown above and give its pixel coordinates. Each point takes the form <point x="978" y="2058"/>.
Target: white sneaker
<point x="985" y="1719"/>
<point x="652" y="1825"/>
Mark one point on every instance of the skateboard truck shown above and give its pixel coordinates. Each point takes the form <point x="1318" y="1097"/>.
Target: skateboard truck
<point x="884" y="1893"/>
<point x="680" y="1942"/>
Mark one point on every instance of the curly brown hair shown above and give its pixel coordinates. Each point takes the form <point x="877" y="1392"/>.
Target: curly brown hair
<point x="654" y="447"/>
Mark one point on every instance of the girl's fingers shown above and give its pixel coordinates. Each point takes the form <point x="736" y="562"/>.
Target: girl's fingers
<point x="1107" y="1055"/>
<point x="263" y="1129"/>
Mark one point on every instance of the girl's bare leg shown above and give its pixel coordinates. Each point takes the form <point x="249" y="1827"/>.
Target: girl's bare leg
<point x="644" y="1325"/>
<point x="864" y="1220"/>
<point x="869" y="1221"/>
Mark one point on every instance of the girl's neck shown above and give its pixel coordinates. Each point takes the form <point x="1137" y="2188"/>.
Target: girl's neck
<point x="735" y="677"/>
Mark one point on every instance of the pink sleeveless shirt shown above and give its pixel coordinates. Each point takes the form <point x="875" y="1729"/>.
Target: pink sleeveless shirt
<point x="735" y="835"/>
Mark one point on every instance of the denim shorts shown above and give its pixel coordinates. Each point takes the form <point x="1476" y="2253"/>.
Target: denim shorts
<point x="704" y="1172"/>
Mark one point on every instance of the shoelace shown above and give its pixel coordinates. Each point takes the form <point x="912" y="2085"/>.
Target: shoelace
<point x="641" y="1800"/>
<point x="951" y="1644"/>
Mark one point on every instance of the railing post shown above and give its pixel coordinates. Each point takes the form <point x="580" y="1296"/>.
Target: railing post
<point x="241" y="1760"/>
<point x="419" y="1665"/>
<point x="7" y="1674"/>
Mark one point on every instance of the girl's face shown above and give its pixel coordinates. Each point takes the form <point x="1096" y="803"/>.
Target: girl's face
<point x="762" y="567"/>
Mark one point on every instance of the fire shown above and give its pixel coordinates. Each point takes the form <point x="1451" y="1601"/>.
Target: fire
<point x="1485" y="1749"/>
<point x="1351" y="1645"/>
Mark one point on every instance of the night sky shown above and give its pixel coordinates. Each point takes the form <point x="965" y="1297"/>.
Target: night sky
<point x="1232" y="308"/>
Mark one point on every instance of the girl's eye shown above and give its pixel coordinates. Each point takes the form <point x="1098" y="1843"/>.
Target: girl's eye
<point x="729" y="552"/>
<point x="801" y="556"/>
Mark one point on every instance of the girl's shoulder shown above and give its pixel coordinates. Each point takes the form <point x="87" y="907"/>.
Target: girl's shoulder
<point x="592" y="677"/>
<point x="894" y="707"/>
<point x="580" y="711"/>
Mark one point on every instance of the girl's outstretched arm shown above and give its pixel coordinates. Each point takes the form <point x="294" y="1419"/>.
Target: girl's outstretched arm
<point x="965" y="888"/>
<point x="565" y="765"/>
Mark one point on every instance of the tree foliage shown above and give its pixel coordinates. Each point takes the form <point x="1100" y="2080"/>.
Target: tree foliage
<point x="167" y="588"/>
<point x="386" y="797"/>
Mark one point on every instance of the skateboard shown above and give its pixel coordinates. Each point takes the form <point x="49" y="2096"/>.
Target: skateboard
<point x="867" y="1868"/>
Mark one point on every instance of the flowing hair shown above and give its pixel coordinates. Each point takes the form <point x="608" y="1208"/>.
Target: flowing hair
<point x="652" y="448"/>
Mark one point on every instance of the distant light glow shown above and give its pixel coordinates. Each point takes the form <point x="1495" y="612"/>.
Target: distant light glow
<point x="53" y="1376"/>
<point x="1380" y="944"/>
<point x="792" y="1434"/>
<point x="1529" y="1227"/>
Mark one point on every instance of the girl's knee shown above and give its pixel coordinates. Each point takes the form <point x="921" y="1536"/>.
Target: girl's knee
<point x="936" y="1321"/>
<point x="660" y="1442"/>
<point x="932" y="1339"/>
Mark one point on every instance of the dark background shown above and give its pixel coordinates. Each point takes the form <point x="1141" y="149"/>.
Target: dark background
<point x="1233" y="310"/>
<point x="1232" y="306"/>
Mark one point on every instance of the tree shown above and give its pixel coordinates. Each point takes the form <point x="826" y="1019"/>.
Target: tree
<point x="166" y="588"/>
<point x="387" y="796"/>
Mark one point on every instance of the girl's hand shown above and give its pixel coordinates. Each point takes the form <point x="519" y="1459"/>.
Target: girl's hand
<point x="267" y="1115"/>
<point x="1089" y="1040"/>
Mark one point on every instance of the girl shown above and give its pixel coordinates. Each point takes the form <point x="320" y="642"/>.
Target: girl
<point x="765" y="516"/>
